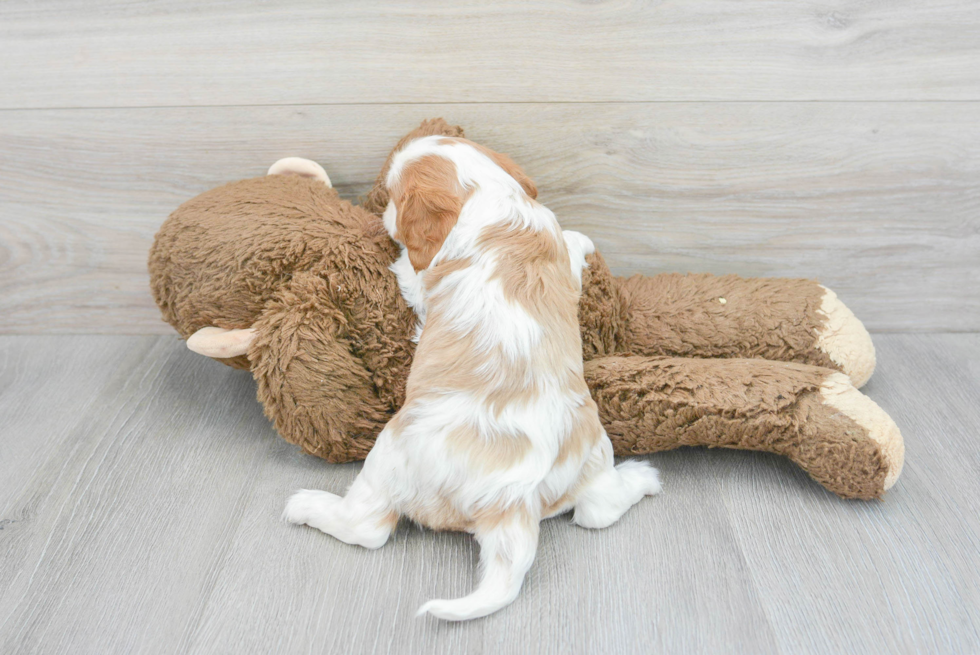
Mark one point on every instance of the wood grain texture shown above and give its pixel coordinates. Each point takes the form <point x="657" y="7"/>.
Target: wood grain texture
<point x="878" y="200"/>
<point x="902" y="563"/>
<point x="62" y="53"/>
<point x="104" y="555"/>
<point x="141" y="489"/>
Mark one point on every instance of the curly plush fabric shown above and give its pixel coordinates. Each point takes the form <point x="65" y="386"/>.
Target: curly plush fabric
<point x="651" y="404"/>
<point x="309" y="272"/>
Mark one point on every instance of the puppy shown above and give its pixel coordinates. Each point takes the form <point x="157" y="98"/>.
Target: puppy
<point x="498" y="430"/>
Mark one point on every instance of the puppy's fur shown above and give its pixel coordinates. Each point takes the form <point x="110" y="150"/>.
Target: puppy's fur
<point x="498" y="430"/>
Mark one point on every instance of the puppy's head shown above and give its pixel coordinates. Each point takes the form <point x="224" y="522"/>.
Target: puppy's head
<point x="428" y="184"/>
<point x="505" y="163"/>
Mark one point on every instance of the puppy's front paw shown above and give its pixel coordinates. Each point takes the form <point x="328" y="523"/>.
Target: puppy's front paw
<point x="308" y="505"/>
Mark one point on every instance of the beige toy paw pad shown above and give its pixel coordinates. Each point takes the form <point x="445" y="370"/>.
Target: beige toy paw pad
<point x="845" y="340"/>
<point x="838" y="392"/>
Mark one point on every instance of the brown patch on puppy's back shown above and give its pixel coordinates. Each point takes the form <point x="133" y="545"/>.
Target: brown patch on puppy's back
<point x="584" y="435"/>
<point x="533" y="267"/>
<point x="489" y="452"/>
<point x="450" y="360"/>
<point x="437" y="273"/>
<point x="534" y="272"/>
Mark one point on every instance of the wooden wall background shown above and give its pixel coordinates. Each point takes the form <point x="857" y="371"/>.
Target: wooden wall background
<point x="837" y="139"/>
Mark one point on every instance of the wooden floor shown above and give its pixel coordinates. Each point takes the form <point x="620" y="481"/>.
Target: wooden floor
<point x="141" y="490"/>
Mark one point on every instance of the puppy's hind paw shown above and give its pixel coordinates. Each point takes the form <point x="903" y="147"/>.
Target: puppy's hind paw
<point x="307" y="505"/>
<point x="641" y="476"/>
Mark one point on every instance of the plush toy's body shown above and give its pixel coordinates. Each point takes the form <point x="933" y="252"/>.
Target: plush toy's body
<point x="673" y="360"/>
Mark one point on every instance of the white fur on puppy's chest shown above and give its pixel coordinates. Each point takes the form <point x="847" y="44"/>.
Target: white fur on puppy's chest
<point x="412" y="287"/>
<point x="578" y="246"/>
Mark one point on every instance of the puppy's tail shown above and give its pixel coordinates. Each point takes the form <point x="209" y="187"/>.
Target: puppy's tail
<point x="507" y="550"/>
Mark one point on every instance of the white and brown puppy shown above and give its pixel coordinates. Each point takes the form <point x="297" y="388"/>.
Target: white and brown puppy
<point x="498" y="430"/>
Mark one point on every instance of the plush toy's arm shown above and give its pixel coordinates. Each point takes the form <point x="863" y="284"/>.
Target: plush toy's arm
<point x="810" y="414"/>
<point x="703" y="315"/>
<point x="317" y="393"/>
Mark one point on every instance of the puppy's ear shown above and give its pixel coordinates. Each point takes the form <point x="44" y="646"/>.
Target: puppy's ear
<point x="428" y="208"/>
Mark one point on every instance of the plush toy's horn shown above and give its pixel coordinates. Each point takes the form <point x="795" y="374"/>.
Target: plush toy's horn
<point x="220" y="343"/>
<point x="301" y="167"/>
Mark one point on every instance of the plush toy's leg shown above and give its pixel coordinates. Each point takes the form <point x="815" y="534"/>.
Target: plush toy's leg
<point x="812" y="415"/>
<point x="363" y="517"/>
<point x="317" y="392"/>
<point x="702" y="315"/>
<point x="301" y="167"/>
<point x="730" y="316"/>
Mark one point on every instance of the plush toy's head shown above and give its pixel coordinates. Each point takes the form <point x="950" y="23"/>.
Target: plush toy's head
<point x="281" y="276"/>
<point x="222" y="257"/>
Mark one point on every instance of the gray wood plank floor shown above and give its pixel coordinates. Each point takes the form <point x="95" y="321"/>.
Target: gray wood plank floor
<point x="141" y="490"/>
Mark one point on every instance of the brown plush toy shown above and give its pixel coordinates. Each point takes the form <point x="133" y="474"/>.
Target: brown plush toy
<point x="280" y="276"/>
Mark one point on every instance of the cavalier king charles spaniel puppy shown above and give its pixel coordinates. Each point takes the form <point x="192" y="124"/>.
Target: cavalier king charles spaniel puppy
<point x="498" y="430"/>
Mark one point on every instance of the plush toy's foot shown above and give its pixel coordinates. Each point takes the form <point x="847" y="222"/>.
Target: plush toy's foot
<point x="838" y="392"/>
<point x="702" y="315"/>
<point x="845" y="340"/>
<point x="301" y="167"/>
<point x="812" y="415"/>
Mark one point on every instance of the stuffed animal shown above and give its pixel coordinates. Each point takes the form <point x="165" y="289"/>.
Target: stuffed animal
<point x="280" y="276"/>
